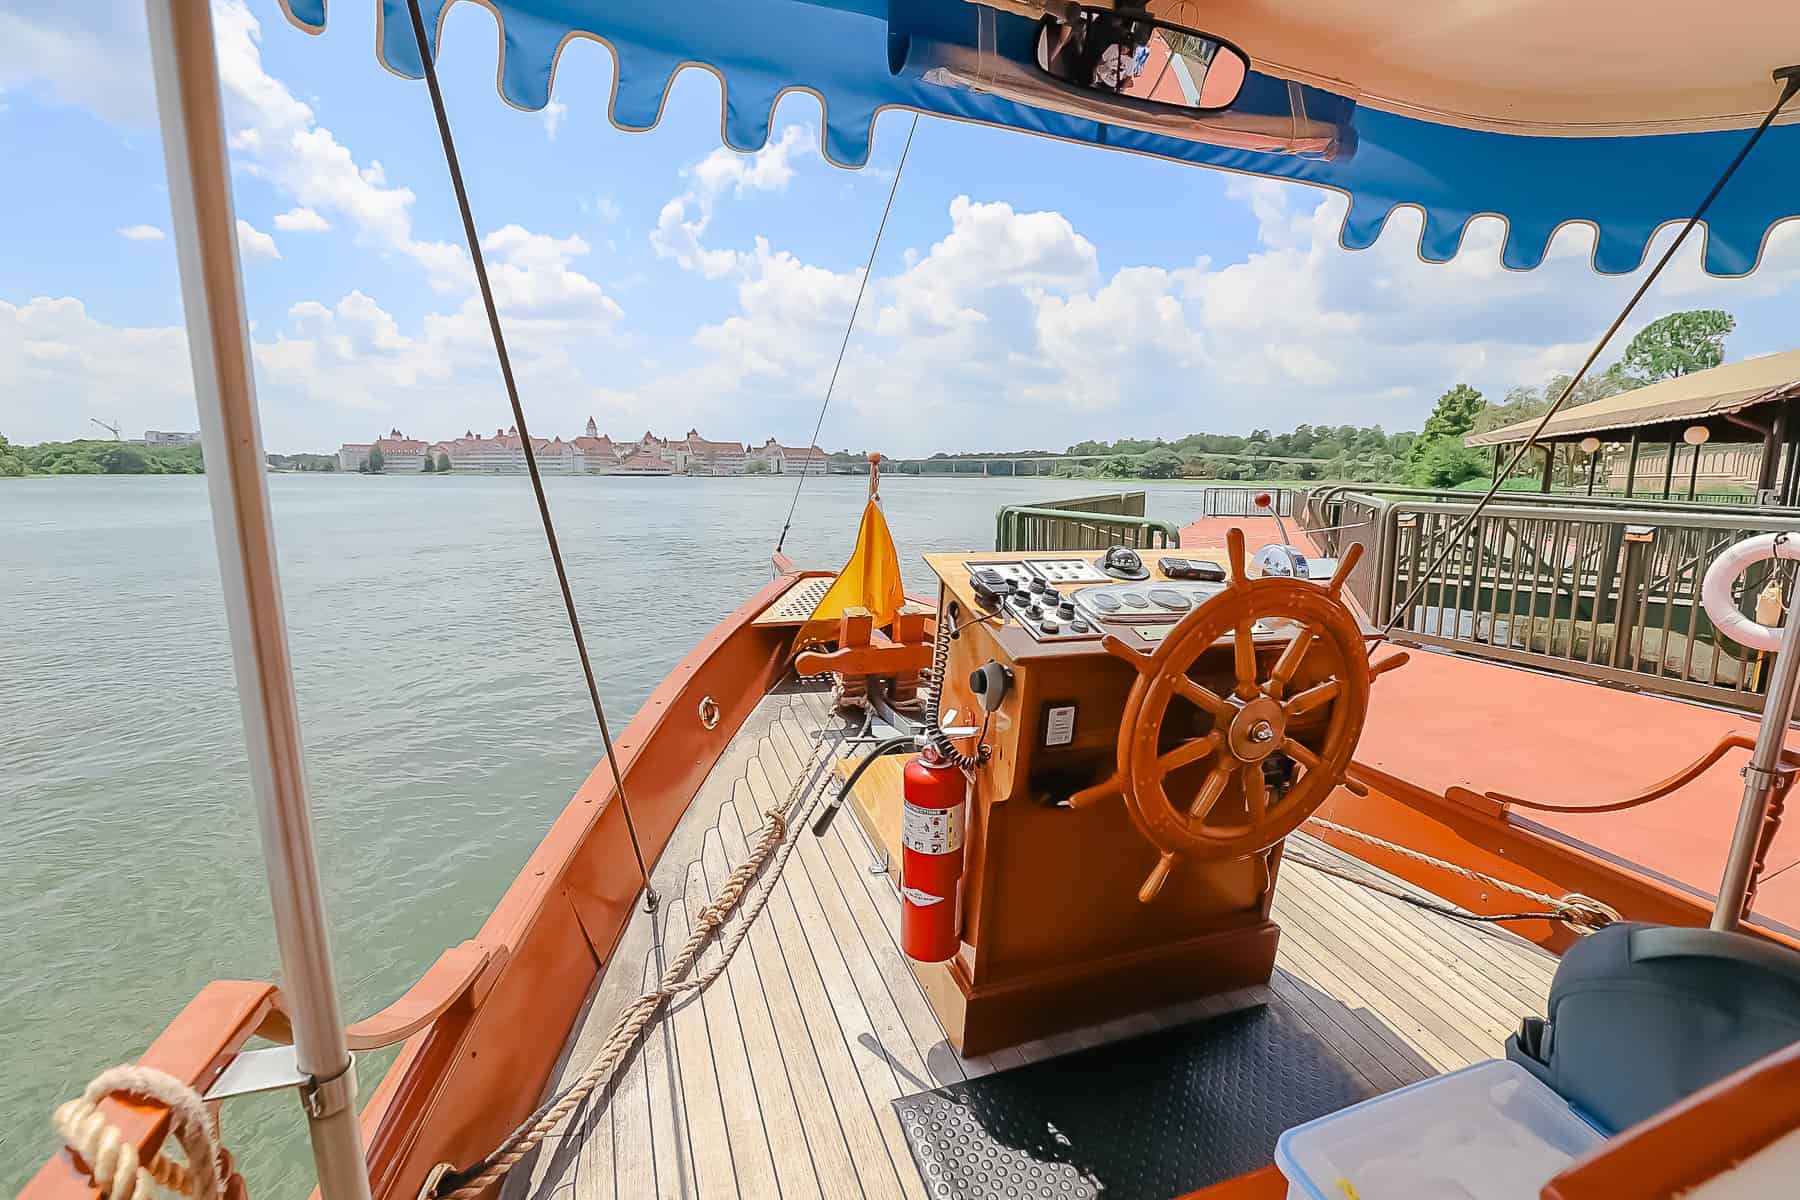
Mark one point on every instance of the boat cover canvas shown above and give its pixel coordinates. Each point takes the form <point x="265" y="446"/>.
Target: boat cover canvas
<point x="854" y="56"/>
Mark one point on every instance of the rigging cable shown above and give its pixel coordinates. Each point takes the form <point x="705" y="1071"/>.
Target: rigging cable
<point x="861" y="287"/>
<point x="1790" y="79"/>
<point x="512" y="395"/>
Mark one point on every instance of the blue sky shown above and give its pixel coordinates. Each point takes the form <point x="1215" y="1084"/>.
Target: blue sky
<point x="1028" y="293"/>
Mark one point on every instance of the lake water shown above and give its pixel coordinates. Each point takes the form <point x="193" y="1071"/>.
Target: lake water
<point x="445" y="717"/>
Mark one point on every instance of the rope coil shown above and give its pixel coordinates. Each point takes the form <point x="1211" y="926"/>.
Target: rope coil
<point x="113" y="1161"/>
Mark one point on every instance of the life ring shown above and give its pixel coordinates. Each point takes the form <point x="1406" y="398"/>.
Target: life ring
<point x="1715" y="589"/>
<point x="709" y="713"/>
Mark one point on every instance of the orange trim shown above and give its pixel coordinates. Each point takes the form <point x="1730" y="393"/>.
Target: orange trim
<point x="195" y="1047"/>
<point x="1265" y="1184"/>
<point x="1689" y="1143"/>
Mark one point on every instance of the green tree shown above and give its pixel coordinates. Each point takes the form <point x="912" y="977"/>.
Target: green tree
<point x="1452" y="417"/>
<point x="443" y="464"/>
<point x="1161" y="463"/>
<point x="1445" y="463"/>
<point x="757" y="466"/>
<point x="1679" y="344"/>
<point x="426" y="465"/>
<point x="120" y="459"/>
<point x="375" y="460"/>
<point x="11" y="464"/>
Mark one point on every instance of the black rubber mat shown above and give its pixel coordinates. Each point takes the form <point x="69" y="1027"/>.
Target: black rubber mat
<point x="1149" y="1118"/>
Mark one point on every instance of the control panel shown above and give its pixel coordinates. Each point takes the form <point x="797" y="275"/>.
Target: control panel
<point x="1069" y="599"/>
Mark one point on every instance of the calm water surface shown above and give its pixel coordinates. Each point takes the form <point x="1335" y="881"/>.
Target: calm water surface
<point x="445" y="718"/>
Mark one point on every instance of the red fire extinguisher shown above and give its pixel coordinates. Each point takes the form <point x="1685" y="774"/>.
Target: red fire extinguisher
<point x="931" y="858"/>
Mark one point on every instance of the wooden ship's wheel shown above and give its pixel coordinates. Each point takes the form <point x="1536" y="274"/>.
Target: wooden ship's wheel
<point x="1250" y="722"/>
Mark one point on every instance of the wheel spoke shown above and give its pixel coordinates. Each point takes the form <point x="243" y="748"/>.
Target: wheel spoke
<point x="1256" y="793"/>
<point x="1311" y="698"/>
<point x="1301" y="754"/>
<point x="1289" y="662"/>
<point x="1200" y="696"/>
<point x="1210" y="791"/>
<point x="1190" y="751"/>
<point x="1159" y="875"/>
<point x="1244" y="645"/>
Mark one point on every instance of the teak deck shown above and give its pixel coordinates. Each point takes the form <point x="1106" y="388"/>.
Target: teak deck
<point x="778" y="1079"/>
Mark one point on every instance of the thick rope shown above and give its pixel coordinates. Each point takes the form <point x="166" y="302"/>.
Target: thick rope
<point x="1583" y="914"/>
<point x="113" y="1161"/>
<point x="772" y="849"/>
<point x="1419" y="902"/>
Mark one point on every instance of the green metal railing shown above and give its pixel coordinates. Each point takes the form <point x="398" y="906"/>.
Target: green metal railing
<point x="1603" y="590"/>
<point x="1022" y="528"/>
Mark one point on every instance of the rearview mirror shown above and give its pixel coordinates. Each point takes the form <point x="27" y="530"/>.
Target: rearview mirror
<point x="1124" y="52"/>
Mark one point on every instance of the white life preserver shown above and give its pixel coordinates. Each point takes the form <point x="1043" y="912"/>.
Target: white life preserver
<point x="1715" y="590"/>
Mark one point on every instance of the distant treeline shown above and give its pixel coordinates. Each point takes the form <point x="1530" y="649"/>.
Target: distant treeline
<point x="86" y="457"/>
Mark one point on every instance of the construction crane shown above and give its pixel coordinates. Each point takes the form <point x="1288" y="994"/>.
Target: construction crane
<point x="112" y="429"/>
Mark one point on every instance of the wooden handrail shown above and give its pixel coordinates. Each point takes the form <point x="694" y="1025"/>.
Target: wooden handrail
<point x="1689" y="1143"/>
<point x="464" y="971"/>
<point x="195" y="1047"/>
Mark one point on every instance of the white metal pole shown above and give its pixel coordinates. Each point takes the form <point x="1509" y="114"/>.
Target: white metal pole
<point x="1766" y="778"/>
<point x="193" y="128"/>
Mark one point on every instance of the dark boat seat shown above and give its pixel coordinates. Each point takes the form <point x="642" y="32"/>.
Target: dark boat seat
<point x="1641" y="1016"/>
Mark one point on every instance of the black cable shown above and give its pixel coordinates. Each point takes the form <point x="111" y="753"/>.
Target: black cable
<point x="823" y="822"/>
<point x="868" y="269"/>
<point x="1791" y="85"/>
<point x="512" y="395"/>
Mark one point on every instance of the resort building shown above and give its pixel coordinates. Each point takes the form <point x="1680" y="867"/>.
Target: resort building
<point x="791" y="460"/>
<point x="592" y="453"/>
<point x="157" y="437"/>
<point x="695" y="455"/>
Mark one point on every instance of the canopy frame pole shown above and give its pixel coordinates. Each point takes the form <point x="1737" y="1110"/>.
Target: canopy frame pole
<point x="1549" y="449"/>
<point x="1766" y="780"/>
<point x="199" y="170"/>
<point x="1593" y="468"/>
<point x="1637" y="440"/>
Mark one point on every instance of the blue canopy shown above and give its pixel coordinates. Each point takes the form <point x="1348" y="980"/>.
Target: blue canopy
<point x="862" y="56"/>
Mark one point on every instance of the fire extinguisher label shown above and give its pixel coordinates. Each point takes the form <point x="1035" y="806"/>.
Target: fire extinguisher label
<point x="920" y="899"/>
<point x="932" y="830"/>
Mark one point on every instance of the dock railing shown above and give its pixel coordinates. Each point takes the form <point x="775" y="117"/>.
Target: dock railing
<point x="1242" y="501"/>
<point x="1082" y="523"/>
<point x="1602" y="588"/>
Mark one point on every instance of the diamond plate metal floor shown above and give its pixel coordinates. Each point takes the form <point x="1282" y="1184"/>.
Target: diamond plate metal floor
<point x="1145" y="1119"/>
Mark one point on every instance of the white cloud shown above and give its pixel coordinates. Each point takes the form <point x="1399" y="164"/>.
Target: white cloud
<point x="552" y="116"/>
<point x="276" y="137"/>
<point x="254" y="245"/>
<point x="89" y="55"/>
<point x="141" y="233"/>
<point x="607" y="209"/>
<point x="59" y="366"/>
<point x="682" y="223"/>
<point x="302" y="220"/>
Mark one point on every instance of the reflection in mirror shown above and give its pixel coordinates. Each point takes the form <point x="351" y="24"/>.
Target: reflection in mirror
<point x="1126" y="53"/>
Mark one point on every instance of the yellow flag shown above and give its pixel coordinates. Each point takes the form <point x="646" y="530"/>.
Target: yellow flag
<point x="871" y="579"/>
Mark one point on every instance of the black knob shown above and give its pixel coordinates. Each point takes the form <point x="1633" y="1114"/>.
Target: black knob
<point x="1066" y="610"/>
<point x="978" y="681"/>
<point x="1051" y="595"/>
<point x="1037" y="587"/>
<point x="1034" y="612"/>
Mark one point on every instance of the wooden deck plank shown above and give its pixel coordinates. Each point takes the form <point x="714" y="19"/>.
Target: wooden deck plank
<point x="842" y="865"/>
<point x="861" y="1038"/>
<point x="670" y="1153"/>
<point x="814" y="1099"/>
<point x="708" y="1139"/>
<point x="751" y="1159"/>
<point x="634" y="1157"/>
<point x="594" y="1175"/>
<point x="766" y="1058"/>
<point x="868" y="1046"/>
<point x="870" y="1162"/>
